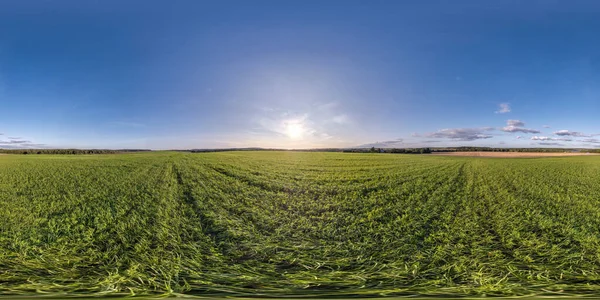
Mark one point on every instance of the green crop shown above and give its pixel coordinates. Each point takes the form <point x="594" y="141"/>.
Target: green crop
<point x="298" y="224"/>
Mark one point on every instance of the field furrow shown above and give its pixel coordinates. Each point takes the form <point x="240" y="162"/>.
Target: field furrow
<point x="292" y="223"/>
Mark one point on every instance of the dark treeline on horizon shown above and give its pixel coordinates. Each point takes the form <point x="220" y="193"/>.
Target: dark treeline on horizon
<point x="426" y="150"/>
<point x="68" y="151"/>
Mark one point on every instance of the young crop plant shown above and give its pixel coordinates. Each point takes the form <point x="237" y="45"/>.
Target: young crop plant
<point x="273" y="224"/>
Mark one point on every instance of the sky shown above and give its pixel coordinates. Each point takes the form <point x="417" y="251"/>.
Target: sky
<point x="299" y="74"/>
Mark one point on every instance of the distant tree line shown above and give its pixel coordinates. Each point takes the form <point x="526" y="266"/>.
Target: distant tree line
<point x="347" y="150"/>
<point x="262" y="149"/>
<point x="389" y="150"/>
<point x="489" y="149"/>
<point x="67" y="151"/>
<point x="403" y="150"/>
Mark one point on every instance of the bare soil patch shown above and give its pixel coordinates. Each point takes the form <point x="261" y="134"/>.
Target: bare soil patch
<point x="514" y="154"/>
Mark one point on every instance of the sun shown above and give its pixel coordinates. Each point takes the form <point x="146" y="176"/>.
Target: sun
<point x="294" y="130"/>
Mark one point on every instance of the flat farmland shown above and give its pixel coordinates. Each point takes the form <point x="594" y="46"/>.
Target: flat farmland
<point x="271" y="224"/>
<point x="514" y="154"/>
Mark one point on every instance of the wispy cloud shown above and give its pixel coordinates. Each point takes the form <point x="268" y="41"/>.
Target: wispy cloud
<point x="14" y="142"/>
<point x="23" y="146"/>
<point x="517" y="126"/>
<point x="516" y="123"/>
<point x="519" y="129"/>
<point x="20" y="144"/>
<point x="591" y="141"/>
<point x="550" y="144"/>
<point x="545" y="138"/>
<point x="503" y="108"/>
<point x="462" y="134"/>
<point x="34" y="145"/>
<point x="384" y="144"/>
<point x="546" y="126"/>
<point x="571" y="133"/>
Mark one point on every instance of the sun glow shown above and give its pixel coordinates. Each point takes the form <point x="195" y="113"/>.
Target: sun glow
<point x="294" y="130"/>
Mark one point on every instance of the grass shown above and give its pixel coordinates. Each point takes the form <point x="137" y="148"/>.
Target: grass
<point x="271" y="224"/>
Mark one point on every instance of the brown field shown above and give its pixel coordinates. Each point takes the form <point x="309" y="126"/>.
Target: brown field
<point x="513" y="154"/>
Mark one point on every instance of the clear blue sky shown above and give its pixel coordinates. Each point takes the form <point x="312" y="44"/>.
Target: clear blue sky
<point x="299" y="74"/>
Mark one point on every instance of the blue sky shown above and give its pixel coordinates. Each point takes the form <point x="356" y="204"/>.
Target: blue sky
<point x="299" y="74"/>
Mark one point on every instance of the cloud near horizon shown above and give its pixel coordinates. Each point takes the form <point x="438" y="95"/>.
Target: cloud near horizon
<point x="517" y="126"/>
<point x="462" y="134"/>
<point x="19" y="143"/>
<point x="384" y="144"/>
<point x="545" y="138"/>
<point x="483" y="133"/>
<point x="571" y="133"/>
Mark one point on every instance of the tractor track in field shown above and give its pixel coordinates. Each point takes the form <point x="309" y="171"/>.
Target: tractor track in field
<point x="294" y="190"/>
<point x="209" y="227"/>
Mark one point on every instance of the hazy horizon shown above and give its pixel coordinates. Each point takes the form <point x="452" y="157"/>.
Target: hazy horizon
<point x="299" y="74"/>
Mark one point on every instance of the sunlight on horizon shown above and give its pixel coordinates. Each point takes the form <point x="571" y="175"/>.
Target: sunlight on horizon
<point x="294" y="130"/>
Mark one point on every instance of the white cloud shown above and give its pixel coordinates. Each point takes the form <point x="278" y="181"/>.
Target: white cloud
<point x="384" y="144"/>
<point x="462" y="134"/>
<point x="15" y="142"/>
<point x="545" y="138"/>
<point x="519" y="129"/>
<point x="570" y="133"/>
<point x="515" y="123"/>
<point x="517" y="126"/>
<point x="503" y="108"/>
<point x="592" y="141"/>
<point x="18" y="143"/>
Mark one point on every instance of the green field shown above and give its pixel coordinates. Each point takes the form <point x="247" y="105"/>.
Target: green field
<point x="293" y="223"/>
